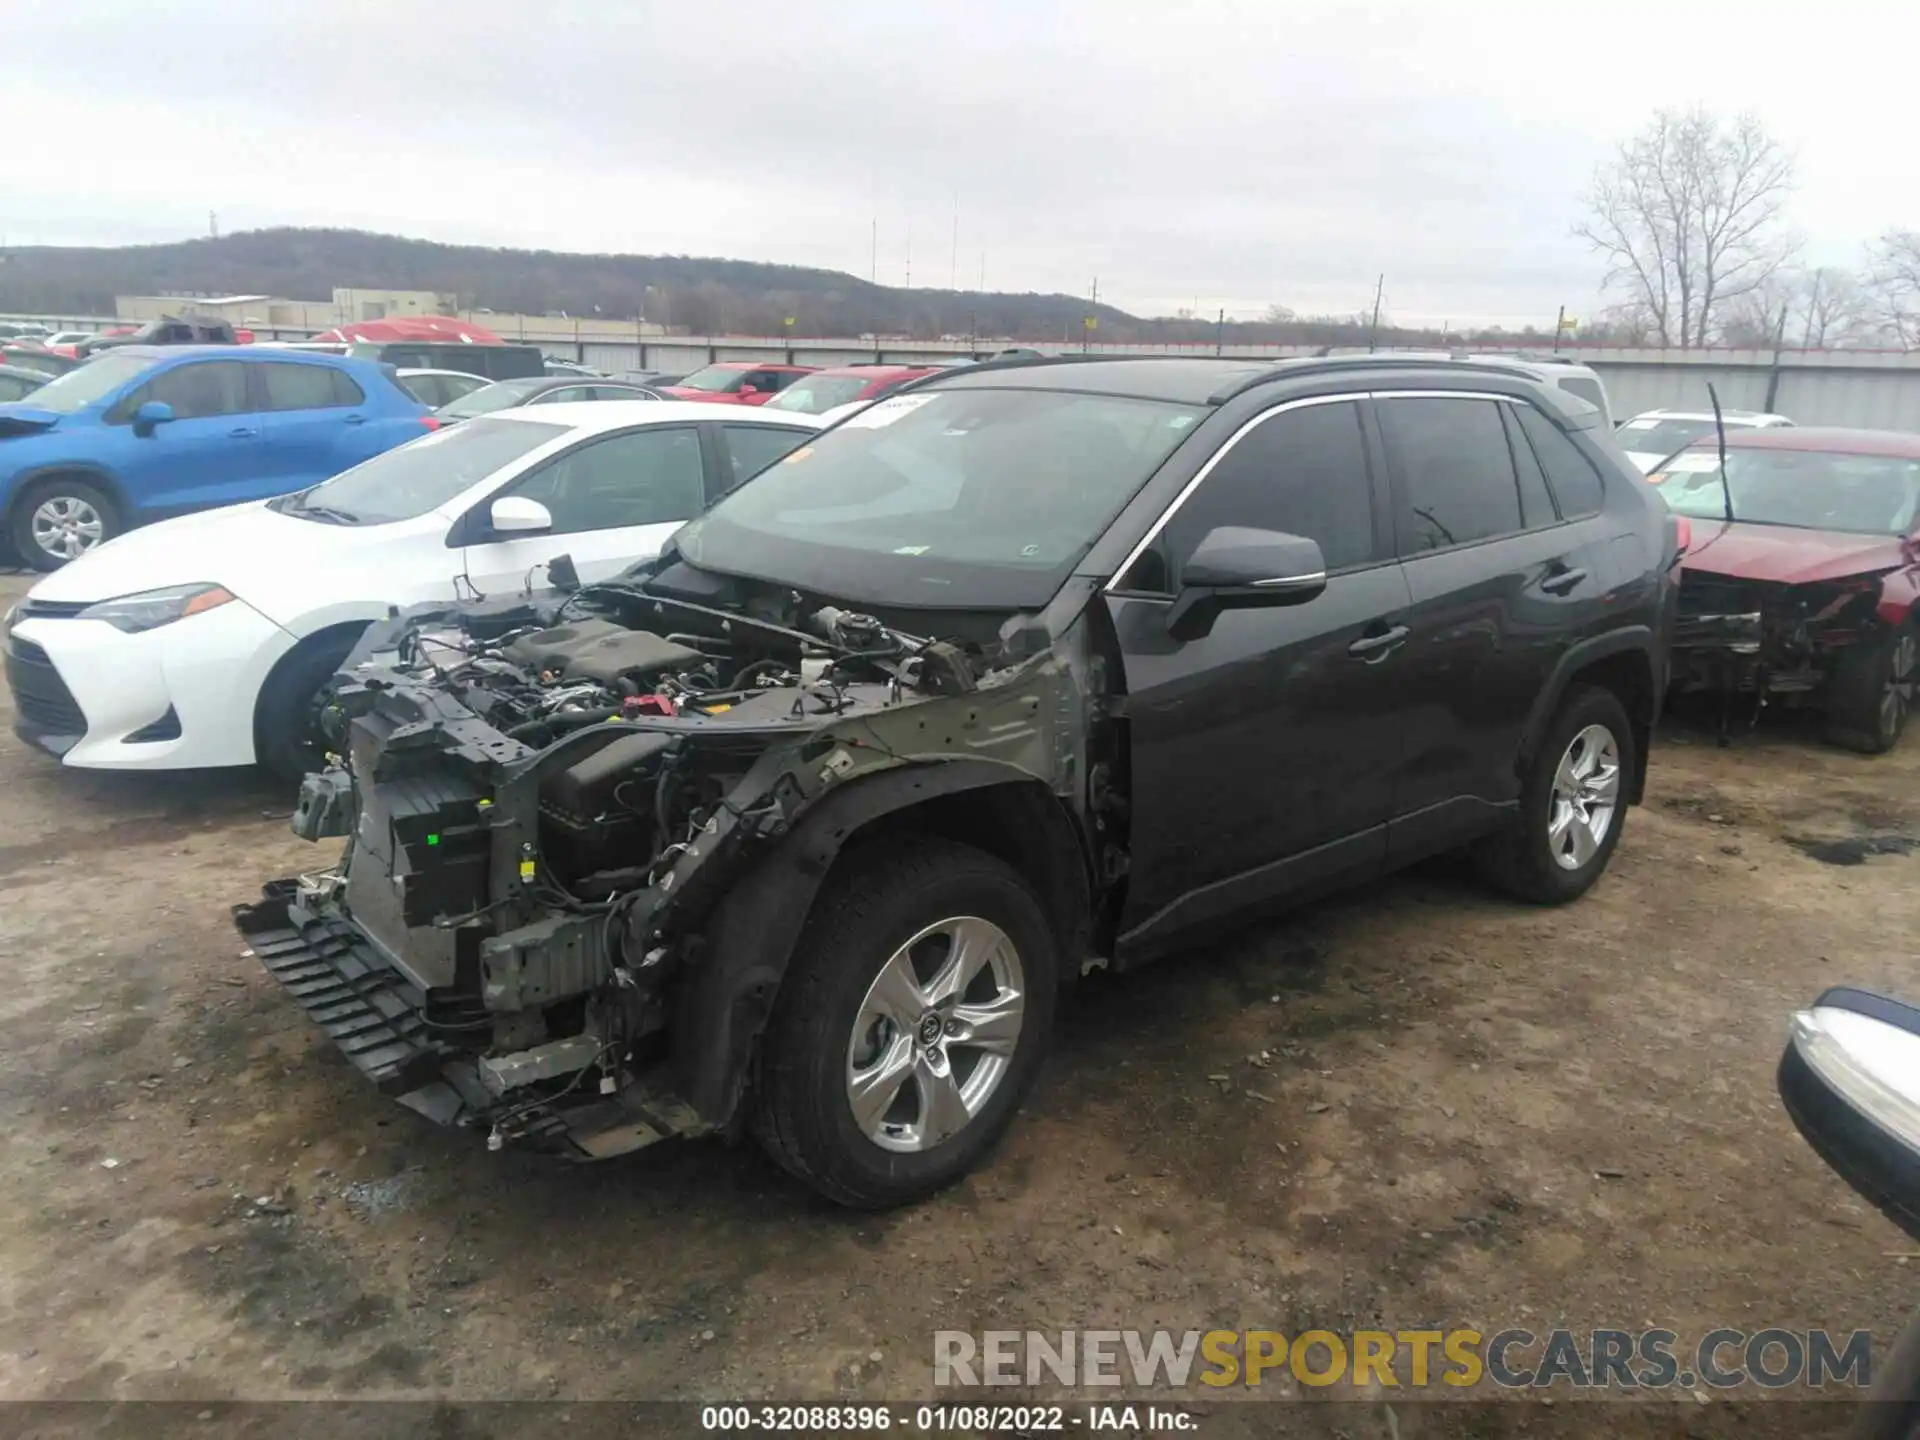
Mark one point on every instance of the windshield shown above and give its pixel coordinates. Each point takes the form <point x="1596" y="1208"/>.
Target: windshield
<point x="1807" y="489"/>
<point x="713" y="378"/>
<point x="91" y="382"/>
<point x="501" y="395"/>
<point x="817" y="394"/>
<point x="1661" y="437"/>
<point x="419" y="476"/>
<point x="972" y="499"/>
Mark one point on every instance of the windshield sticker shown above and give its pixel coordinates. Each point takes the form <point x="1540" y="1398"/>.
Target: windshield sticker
<point x="1180" y="422"/>
<point x="913" y="550"/>
<point x="885" y="412"/>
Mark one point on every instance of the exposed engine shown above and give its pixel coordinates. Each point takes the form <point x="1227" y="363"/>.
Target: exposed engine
<point x="545" y="808"/>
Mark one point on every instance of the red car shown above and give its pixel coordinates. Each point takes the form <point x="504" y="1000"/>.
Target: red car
<point x="1811" y="592"/>
<point x="736" y="382"/>
<point x="841" y="385"/>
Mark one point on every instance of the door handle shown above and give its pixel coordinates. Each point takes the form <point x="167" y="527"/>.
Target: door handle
<point x="1374" y="648"/>
<point x="355" y="419"/>
<point x="1560" y="582"/>
<point x="242" y="432"/>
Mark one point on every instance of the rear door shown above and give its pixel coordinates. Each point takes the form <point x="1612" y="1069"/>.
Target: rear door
<point x="1263" y="752"/>
<point x="209" y="453"/>
<point x="614" y="500"/>
<point x="1501" y="585"/>
<point x="314" y="423"/>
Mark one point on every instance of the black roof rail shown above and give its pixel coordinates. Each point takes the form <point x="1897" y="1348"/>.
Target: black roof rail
<point x="1346" y="364"/>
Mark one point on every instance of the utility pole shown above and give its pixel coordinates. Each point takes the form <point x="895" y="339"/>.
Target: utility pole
<point x="1773" y="375"/>
<point x="909" y="284"/>
<point x="1373" y="329"/>
<point x="1220" y="333"/>
<point x="1813" y="302"/>
<point x="1559" y="328"/>
<point x="1086" y="330"/>
<point x="873" y="264"/>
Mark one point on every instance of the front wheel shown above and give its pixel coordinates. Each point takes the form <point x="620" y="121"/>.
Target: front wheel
<point x="912" y="1022"/>
<point x="286" y="725"/>
<point x="59" y="520"/>
<point x="1870" y="693"/>
<point x="1573" y="803"/>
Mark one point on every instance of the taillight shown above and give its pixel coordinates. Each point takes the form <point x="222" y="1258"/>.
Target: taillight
<point x="432" y="422"/>
<point x="1682" y="534"/>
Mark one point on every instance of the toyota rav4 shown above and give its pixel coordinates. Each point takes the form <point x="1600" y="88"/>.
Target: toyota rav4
<point x="1034" y="668"/>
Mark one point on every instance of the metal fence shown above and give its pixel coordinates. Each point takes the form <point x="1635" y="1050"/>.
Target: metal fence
<point x="1874" y="389"/>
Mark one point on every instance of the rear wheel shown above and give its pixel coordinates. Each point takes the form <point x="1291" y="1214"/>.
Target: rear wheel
<point x="913" y="1020"/>
<point x="1871" y="692"/>
<point x="286" y="725"/>
<point x="61" y="519"/>
<point x="1573" y="803"/>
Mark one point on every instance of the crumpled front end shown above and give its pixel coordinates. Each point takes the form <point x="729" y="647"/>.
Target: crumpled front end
<point x="1733" y="634"/>
<point x="543" y="820"/>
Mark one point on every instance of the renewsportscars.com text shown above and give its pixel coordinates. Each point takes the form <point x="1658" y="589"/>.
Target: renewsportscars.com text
<point x="1414" y="1359"/>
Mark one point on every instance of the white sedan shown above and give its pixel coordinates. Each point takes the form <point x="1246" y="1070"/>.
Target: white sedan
<point x="203" y="641"/>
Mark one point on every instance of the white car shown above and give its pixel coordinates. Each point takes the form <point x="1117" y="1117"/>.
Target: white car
<point x="1651" y="437"/>
<point x="204" y="640"/>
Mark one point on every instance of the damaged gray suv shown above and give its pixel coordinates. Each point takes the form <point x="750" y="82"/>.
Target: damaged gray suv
<point x="1034" y="668"/>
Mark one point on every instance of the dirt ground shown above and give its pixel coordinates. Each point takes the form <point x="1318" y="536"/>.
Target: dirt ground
<point x="1470" y="1114"/>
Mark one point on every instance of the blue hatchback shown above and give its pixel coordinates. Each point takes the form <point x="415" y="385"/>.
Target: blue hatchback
<point x="144" y="432"/>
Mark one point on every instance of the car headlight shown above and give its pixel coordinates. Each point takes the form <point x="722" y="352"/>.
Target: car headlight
<point x="152" y="608"/>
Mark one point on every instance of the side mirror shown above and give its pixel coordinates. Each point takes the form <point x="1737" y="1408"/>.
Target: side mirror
<point x="517" y="515"/>
<point x="1236" y="568"/>
<point x="1850" y="1078"/>
<point x="748" y="390"/>
<point x="151" y="414"/>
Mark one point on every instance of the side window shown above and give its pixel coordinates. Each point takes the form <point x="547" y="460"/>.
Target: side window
<point x="645" y="477"/>
<point x="214" y="387"/>
<point x="754" y="447"/>
<point x="346" y="390"/>
<point x="1576" y="484"/>
<point x="12" y="387"/>
<point x="566" y="396"/>
<point x="1458" y="481"/>
<point x="1303" y="471"/>
<point x="1536" y="505"/>
<point x="298" y="387"/>
<point x="619" y="392"/>
<point x="767" y="380"/>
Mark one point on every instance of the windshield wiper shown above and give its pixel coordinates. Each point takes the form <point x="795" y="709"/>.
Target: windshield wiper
<point x="322" y="512"/>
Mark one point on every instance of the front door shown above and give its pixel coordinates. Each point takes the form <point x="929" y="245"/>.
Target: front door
<point x="1262" y="752"/>
<point x="209" y="453"/>
<point x="1500" y="581"/>
<point x="614" y="500"/>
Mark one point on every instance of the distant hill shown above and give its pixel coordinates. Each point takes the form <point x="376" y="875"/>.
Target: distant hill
<point x="705" y="295"/>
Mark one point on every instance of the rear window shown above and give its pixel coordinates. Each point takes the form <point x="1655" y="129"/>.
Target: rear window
<point x="1661" y="437"/>
<point x="817" y="394"/>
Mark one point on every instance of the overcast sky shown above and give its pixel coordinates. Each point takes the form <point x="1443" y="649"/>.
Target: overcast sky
<point x="1215" y="154"/>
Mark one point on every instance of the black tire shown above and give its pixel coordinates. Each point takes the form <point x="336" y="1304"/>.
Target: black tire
<point x="1522" y="859"/>
<point x="1870" y="693"/>
<point x="91" y="507"/>
<point x="286" y="735"/>
<point x="877" y="899"/>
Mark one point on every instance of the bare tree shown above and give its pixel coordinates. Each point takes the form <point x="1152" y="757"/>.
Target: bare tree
<point x="1689" y="215"/>
<point x="1893" y="285"/>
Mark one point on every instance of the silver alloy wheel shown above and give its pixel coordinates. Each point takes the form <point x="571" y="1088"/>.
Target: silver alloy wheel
<point x="1897" y="696"/>
<point x="67" y="526"/>
<point x="936" y="1034"/>
<point x="1586" y="792"/>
